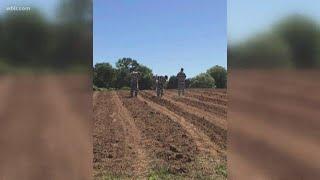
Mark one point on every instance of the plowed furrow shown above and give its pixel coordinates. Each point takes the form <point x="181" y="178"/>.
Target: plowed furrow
<point x="285" y="114"/>
<point x="202" y="141"/>
<point x="217" y="134"/>
<point x="218" y="110"/>
<point x="40" y="136"/>
<point x="5" y="87"/>
<point x="207" y="98"/>
<point x="195" y="111"/>
<point x="109" y="145"/>
<point x="166" y="141"/>
<point x="132" y="136"/>
<point x="209" y="92"/>
<point x="67" y="128"/>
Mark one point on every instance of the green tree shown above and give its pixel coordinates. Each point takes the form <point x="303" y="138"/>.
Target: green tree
<point x="264" y="51"/>
<point x="188" y="81"/>
<point x="73" y="34"/>
<point x="173" y="82"/>
<point x="1" y="39"/>
<point x="127" y="63"/>
<point x="302" y="36"/>
<point x="125" y="66"/>
<point x="219" y="74"/>
<point x="146" y="80"/>
<point x="103" y="75"/>
<point x="202" y="80"/>
<point x="25" y="38"/>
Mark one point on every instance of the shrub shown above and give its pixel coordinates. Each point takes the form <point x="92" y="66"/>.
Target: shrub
<point x="203" y="80"/>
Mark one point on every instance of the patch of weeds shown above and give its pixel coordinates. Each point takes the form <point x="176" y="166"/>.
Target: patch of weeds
<point x="163" y="174"/>
<point x="221" y="169"/>
<point x="110" y="176"/>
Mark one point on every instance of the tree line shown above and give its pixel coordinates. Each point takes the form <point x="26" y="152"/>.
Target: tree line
<point x="30" y="39"/>
<point x="118" y="77"/>
<point x="292" y="43"/>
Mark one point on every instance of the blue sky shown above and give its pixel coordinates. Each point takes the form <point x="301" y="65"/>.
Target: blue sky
<point x="164" y="35"/>
<point x="247" y="17"/>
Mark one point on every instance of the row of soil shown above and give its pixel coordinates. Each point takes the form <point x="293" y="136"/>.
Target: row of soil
<point x="218" y="110"/>
<point x="166" y="142"/>
<point x="110" y="152"/>
<point x="206" y="98"/>
<point x="217" y="134"/>
<point x="211" y="93"/>
<point x="79" y="92"/>
<point x="209" y="90"/>
<point x="222" y="91"/>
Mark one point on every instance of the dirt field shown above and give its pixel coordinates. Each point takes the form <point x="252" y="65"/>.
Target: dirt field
<point x="274" y="133"/>
<point x="171" y="137"/>
<point x="45" y="132"/>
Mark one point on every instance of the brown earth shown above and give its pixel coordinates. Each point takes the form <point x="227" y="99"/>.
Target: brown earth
<point x="42" y="134"/>
<point x="217" y="109"/>
<point x="274" y="132"/>
<point x="164" y="137"/>
<point x="206" y="98"/>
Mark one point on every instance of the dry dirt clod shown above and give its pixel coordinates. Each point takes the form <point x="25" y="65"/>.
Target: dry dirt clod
<point x="174" y="149"/>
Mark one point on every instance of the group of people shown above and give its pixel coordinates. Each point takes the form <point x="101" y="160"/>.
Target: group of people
<point x="159" y="83"/>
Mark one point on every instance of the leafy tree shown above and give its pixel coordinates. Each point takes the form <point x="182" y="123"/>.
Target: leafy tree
<point x="293" y="42"/>
<point x="1" y="38"/>
<point x="146" y="80"/>
<point x="263" y="51"/>
<point x="72" y="42"/>
<point x="127" y="63"/>
<point x="122" y="78"/>
<point x="188" y="81"/>
<point x="173" y="82"/>
<point x="25" y="38"/>
<point x="302" y="36"/>
<point x="104" y="75"/>
<point x="219" y="74"/>
<point x="203" y="80"/>
<point x="125" y="66"/>
<point x="75" y="11"/>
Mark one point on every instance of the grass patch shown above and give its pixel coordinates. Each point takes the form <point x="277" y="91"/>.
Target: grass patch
<point x="162" y="174"/>
<point x="221" y="169"/>
<point x="125" y="88"/>
<point x="110" y="176"/>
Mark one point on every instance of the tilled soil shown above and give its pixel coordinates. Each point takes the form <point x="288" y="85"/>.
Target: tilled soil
<point x="165" y="140"/>
<point x="209" y="92"/>
<point x="112" y="155"/>
<point x="137" y="137"/>
<point x="206" y="98"/>
<point x="216" y="133"/>
<point x="216" y="109"/>
<point x="41" y="136"/>
<point x="275" y="128"/>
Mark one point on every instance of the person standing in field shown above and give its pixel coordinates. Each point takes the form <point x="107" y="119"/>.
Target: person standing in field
<point x="160" y="82"/>
<point x="181" y="76"/>
<point x="134" y="83"/>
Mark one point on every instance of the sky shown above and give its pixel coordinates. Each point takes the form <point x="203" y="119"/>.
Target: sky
<point x="164" y="35"/>
<point x="248" y="17"/>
